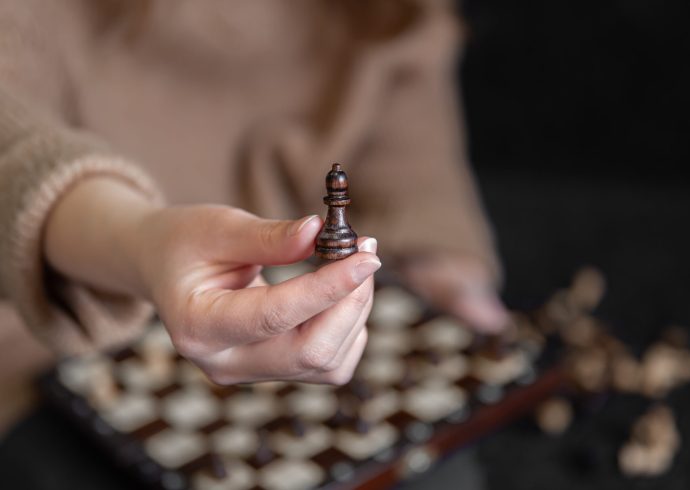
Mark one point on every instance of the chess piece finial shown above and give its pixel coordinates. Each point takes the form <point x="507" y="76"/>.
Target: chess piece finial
<point x="336" y="239"/>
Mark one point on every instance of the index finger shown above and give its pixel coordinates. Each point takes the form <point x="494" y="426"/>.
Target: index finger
<point x="225" y="318"/>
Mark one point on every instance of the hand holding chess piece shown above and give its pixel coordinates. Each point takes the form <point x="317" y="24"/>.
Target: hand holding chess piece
<point x="554" y="416"/>
<point x="200" y="266"/>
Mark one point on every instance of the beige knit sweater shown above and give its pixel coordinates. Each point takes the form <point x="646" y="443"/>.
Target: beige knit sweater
<point x="244" y="103"/>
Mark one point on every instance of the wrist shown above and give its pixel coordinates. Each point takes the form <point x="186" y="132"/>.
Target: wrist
<point x="93" y="235"/>
<point x="142" y="244"/>
<point x="136" y="237"/>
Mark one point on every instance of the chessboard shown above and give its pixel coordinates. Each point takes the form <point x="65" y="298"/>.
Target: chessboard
<point x="426" y="385"/>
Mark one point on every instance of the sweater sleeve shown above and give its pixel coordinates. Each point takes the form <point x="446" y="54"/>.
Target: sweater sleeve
<point x="413" y="187"/>
<point x="41" y="158"/>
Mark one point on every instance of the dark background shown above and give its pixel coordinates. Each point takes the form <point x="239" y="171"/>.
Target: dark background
<point x="597" y="88"/>
<point x="577" y="113"/>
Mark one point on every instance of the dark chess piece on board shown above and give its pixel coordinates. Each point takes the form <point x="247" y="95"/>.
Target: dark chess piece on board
<point x="336" y="239"/>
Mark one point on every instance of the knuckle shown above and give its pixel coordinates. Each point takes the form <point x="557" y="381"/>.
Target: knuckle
<point x="330" y="291"/>
<point x="361" y="297"/>
<point x="338" y="361"/>
<point x="324" y="286"/>
<point x="316" y="356"/>
<point x="222" y="377"/>
<point x="186" y="343"/>
<point x="274" y="321"/>
<point x="339" y="377"/>
<point x="219" y="377"/>
<point x="184" y="335"/>
<point x="266" y="236"/>
<point x="333" y="364"/>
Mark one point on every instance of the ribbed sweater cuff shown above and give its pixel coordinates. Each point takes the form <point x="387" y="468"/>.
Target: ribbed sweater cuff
<point x="70" y="317"/>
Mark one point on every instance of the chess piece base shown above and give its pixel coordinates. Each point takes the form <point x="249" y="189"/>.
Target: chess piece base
<point x="335" y="253"/>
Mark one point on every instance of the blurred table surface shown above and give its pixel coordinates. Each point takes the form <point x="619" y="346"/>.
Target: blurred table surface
<point x="547" y="226"/>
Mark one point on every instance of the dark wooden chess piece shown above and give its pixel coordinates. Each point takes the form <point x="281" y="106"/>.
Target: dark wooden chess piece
<point x="336" y="239"/>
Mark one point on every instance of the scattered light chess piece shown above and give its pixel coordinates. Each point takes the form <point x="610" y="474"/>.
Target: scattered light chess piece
<point x="654" y="441"/>
<point x="663" y="368"/>
<point x="626" y="373"/>
<point x="588" y="368"/>
<point x="587" y="289"/>
<point x="336" y="240"/>
<point x="567" y="305"/>
<point x="581" y="332"/>
<point x="554" y="416"/>
<point x="556" y="313"/>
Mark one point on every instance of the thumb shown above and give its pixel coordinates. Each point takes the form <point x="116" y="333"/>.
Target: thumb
<point x="273" y="242"/>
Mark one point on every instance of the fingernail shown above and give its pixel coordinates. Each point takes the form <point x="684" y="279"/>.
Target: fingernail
<point x="368" y="245"/>
<point x="365" y="268"/>
<point x="297" y="226"/>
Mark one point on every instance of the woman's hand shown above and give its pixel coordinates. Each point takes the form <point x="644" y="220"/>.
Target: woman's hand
<point x="200" y="266"/>
<point x="459" y="285"/>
